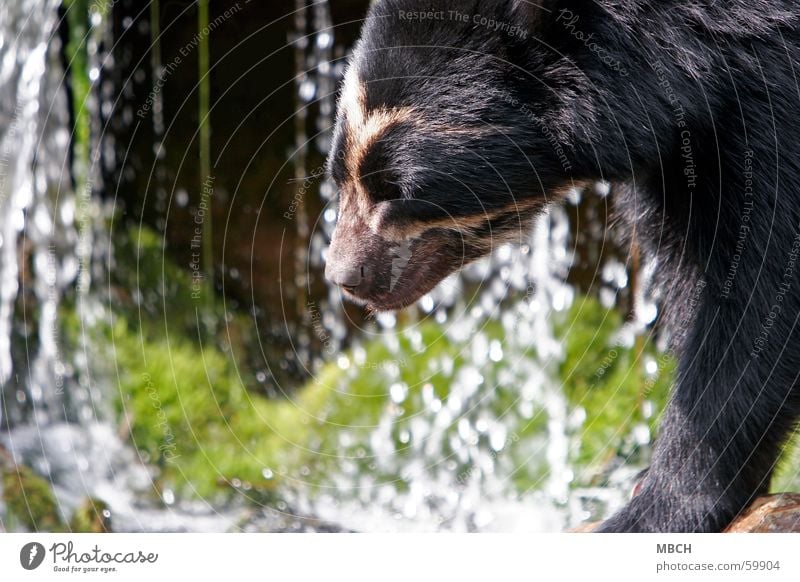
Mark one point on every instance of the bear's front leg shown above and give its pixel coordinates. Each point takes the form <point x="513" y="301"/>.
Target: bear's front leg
<point x="714" y="456"/>
<point x="703" y="475"/>
<point x="736" y="397"/>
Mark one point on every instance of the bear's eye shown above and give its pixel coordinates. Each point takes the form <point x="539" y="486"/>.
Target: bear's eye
<point x="380" y="179"/>
<point x="382" y="187"/>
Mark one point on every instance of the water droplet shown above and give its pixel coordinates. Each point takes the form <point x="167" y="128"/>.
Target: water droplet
<point x="307" y="91"/>
<point x="182" y="198"/>
<point x="641" y="434"/>
<point x="398" y="393"/>
<point x="648" y="313"/>
<point x="324" y="40"/>
<point x="602" y="189"/>
<point x="495" y="351"/>
<point x="497" y="437"/>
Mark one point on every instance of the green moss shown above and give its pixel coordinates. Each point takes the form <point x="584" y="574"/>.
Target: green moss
<point x="92" y="516"/>
<point x="193" y="416"/>
<point x="77" y="13"/>
<point x="185" y="397"/>
<point x="30" y="500"/>
<point x="787" y="476"/>
<point x="609" y="381"/>
<point x="32" y="506"/>
<point x="190" y="413"/>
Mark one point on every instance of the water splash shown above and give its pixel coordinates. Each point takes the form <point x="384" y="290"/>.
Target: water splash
<point x="453" y="474"/>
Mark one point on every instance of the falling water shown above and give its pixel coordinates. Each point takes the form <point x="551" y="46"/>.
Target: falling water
<point x="54" y="417"/>
<point x="41" y="261"/>
<point x="318" y="78"/>
<point x="428" y="488"/>
<point x="34" y="142"/>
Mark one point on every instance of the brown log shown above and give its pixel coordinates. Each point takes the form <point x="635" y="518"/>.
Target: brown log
<point x="778" y="513"/>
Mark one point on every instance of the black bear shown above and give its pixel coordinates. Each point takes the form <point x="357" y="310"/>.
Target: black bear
<point x="459" y="121"/>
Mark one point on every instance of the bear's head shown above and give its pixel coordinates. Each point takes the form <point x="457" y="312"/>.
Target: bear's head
<point x="453" y="132"/>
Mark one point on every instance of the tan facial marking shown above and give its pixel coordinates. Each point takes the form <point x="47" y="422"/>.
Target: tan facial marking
<point x="460" y="223"/>
<point x="364" y="129"/>
<point x="523" y="207"/>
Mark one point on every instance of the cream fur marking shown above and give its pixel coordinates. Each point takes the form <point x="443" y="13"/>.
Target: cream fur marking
<point x="364" y="129"/>
<point x="524" y="207"/>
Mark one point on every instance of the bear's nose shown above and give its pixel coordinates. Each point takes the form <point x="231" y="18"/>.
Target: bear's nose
<point x="348" y="276"/>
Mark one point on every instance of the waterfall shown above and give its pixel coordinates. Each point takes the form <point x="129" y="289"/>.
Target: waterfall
<point x="53" y="414"/>
<point x="37" y="234"/>
<point x="50" y="417"/>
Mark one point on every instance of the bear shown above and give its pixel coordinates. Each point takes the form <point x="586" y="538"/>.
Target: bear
<point x="459" y="122"/>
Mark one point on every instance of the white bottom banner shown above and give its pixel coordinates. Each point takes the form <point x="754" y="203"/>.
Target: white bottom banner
<point x="400" y="557"/>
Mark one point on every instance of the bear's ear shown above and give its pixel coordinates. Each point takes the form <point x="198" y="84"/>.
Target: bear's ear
<point x="528" y="13"/>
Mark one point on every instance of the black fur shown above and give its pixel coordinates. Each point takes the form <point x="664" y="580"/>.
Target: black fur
<point x="691" y="108"/>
